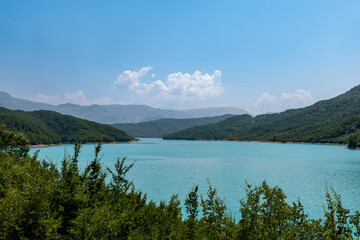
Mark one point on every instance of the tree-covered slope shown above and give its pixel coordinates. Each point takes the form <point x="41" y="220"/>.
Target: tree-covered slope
<point x="328" y="121"/>
<point x="48" y="127"/>
<point x="162" y="127"/>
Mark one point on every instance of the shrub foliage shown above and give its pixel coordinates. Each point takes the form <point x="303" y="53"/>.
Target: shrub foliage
<point x="39" y="200"/>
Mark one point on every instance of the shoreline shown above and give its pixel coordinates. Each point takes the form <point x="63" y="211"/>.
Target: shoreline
<point x="296" y="142"/>
<point x="225" y="140"/>
<point x="344" y="144"/>
<point x="44" y="145"/>
<point x="56" y="144"/>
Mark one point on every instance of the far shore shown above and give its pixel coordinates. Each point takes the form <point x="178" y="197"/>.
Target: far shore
<point x="261" y="141"/>
<point x="289" y="142"/>
<point x="44" y="145"/>
<point x="137" y="140"/>
<point x="296" y="142"/>
<point x="50" y="145"/>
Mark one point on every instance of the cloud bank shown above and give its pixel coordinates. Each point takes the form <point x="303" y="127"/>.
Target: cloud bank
<point x="270" y="103"/>
<point x="179" y="90"/>
<point x="178" y="86"/>
<point x="77" y="97"/>
<point x="131" y="78"/>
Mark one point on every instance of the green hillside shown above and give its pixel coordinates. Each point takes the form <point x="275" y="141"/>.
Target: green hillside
<point x="48" y="127"/>
<point x="162" y="127"/>
<point x="328" y="121"/>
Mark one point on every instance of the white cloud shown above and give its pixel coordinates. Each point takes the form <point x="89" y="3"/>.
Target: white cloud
<point x="271" y="103"/>
<point x="177" y="87"/>
<point x="266" y="98"/>
<point x="266" y="103"/>
<point x="297" y="99"/>
<point x="131" y="78"/>
<point x="103" y="101"/>
<point x="77" y="97"/>
<point x="49" y="99"/>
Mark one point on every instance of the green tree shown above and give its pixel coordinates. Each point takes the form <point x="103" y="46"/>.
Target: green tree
<point x="336" y="224"/>
<point x="353" y="141"/>
<point x="94" y="176"/>
<point x="70" y="192"/>
<point x="12" y="142"/>
<point x="266" y="215"/>
<point x="192" y="204"/>
<point x="215" y="221"/>
<point x="355" y="221"/>
<point x="119" y="183"/>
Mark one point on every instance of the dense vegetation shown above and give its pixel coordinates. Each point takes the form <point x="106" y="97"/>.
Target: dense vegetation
<point x="329" y="121"/>
<point x="47" y="127"/>
<point x="162" y="127"/>
<point x="354" y="141"/>
<point x="39" y="200"/>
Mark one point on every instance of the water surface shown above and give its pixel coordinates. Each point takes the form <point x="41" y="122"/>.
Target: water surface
<point x="166" y="167"/>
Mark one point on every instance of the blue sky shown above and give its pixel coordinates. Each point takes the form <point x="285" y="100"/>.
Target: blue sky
<point x="263" y="56"/>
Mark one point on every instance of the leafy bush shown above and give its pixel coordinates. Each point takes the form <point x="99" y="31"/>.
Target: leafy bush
<point x="40" y="201"/>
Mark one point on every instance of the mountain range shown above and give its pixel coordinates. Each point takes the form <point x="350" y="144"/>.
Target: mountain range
<point x="327" y="121"/>
<point x="162" y="127"/>
<point x="115" y="113"/>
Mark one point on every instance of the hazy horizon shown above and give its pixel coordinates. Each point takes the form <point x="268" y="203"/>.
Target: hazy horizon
<point x="259" y="56"/>
<point x="91" y="104"/>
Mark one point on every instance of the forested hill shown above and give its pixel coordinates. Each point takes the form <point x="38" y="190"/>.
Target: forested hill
<point x="162" y="127"/>
<point x="328" y="121"/>
<point x="48" y="127"/>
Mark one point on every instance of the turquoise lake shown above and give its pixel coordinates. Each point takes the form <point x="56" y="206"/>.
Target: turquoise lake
<point x="167" y="167"/>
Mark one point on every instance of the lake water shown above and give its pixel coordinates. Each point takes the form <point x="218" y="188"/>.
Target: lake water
<point x="166" y="167"/>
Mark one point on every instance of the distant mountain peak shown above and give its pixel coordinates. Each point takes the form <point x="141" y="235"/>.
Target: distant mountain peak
<point x="116" y="113"/>
<point x="5" y="95"/>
